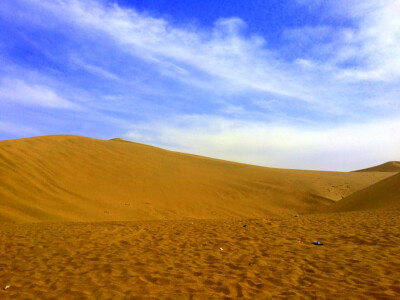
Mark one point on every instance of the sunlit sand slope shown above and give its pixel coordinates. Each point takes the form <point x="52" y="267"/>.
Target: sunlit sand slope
<point x="72" y="178"/>
<point x="391" y="166"/>
<point x="384" y="194"/>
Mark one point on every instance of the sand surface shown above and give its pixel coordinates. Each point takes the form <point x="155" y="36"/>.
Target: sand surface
<point x="72" y="178"/>
<point x="83" y="218"/>
<point x="182" y="259"/>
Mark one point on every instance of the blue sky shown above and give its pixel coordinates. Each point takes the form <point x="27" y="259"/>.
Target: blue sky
<point x="293" y="84"/>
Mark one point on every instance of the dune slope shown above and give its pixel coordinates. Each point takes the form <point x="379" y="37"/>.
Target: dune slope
<point x="384" y="194"/>
<point x="72" y="178"/>
<point x="391" y="166"/>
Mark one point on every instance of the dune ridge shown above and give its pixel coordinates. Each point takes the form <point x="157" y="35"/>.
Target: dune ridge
<point x="73" y="178"/>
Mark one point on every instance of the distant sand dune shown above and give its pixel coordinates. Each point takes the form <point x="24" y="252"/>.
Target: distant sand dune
<point x="73" y="178"/>
<point x="384" y="194"/>
<point x="391" y="166"/>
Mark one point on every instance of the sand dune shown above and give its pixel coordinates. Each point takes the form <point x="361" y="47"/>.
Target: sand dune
<point x="72" y="178"/>
<point x="181" y="226"/>
<point x="384" y="194"/>
<point x="391" y="166"/>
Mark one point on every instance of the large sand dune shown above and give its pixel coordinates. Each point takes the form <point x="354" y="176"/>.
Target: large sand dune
<point x="72" y="178"/>
<point x="384" y="194"/>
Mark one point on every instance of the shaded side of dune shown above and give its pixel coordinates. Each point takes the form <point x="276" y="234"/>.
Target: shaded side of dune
<point x="384" y="194"/>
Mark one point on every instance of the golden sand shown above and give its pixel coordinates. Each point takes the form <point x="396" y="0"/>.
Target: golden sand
<point x="183" y="259"/>
<point x="71" y="178"/>
<point x="82" y="218"/>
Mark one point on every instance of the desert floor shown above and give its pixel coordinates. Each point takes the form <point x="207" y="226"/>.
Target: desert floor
<point x="360" y="258"/>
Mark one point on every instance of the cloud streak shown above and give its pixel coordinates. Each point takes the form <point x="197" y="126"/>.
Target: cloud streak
<point x="20" y="92"/>
<point x="236" y="62"/>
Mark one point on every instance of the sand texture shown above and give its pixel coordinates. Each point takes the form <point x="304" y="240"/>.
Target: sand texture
<point x="182" y="259"/>
<point x="72" y="178"/>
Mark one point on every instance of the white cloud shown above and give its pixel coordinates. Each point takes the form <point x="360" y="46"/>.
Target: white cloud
<point x="366" y="49"/>
<point x="96" y="70"/>
<point x="235" y="62"/>
<point x="20" y="92"/>
<point x="345" y="147"/>
<point x="18" y="129"/>
<point x="232" y="109"/>
<point x="225" y="60"/>
<point x="376" y="41"/>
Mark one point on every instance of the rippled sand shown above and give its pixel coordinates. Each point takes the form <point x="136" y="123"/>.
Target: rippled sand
<point x="183" y="260"/>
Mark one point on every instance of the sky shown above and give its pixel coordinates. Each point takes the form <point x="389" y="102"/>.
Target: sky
<point x="301" y="84"/>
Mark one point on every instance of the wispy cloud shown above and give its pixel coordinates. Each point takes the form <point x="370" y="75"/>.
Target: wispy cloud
<point x="22" y="93"/>
<point x="93" y="69"/>
<point x="366" y="48"/>
<point x="17" y="130"/>
<point x="234" y="61"/>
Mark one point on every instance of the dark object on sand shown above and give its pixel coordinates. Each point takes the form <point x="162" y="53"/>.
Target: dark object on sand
<point x="244" y="225"/>
<point x="318" y="243"/>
